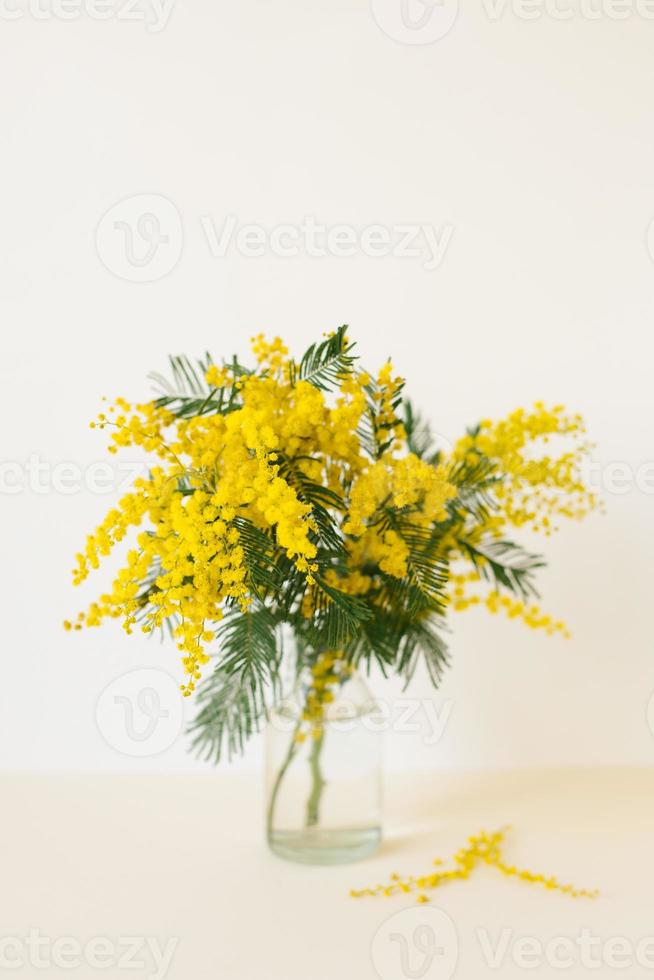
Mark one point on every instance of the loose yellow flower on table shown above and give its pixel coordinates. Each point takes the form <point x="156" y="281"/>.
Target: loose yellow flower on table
<point x="484" y="848"/>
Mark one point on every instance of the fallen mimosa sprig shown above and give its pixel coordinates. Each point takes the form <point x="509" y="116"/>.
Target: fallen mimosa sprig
<point x="483" y="849"/>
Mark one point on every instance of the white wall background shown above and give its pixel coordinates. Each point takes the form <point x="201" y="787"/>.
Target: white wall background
<point x="531" y="138"/>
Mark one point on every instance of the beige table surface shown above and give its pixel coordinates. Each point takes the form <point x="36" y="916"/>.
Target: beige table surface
<point x="103" y="875"/>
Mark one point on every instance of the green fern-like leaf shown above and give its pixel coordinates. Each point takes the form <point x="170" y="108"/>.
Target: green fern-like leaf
<point x="337" y="618"/>
<point x="420" y="439"/>
<point x="232" y="700"/>
<point x="476" y="482"/>
<point x="325" y="364"/>
<point x="505" y="564"/>
<point x="320" y="499"/>
<point x="187" y="395"/>
<point x="423" y="587"/>
<point x="186" y="378"/>
<point x="421" y="641"/>
<point x="231" y="711"/>
<point x="261" y="556"/>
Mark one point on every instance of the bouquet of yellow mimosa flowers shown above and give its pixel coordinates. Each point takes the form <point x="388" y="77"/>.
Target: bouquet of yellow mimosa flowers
<point x="309" y="493"/>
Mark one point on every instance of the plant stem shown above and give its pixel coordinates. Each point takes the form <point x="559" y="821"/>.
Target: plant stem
<point x="292" y="749"/>
<point x="317" y="781"/>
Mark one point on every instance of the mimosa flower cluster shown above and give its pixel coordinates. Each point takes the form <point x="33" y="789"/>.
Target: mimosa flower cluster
<point x="483" y="848"/>
<point x="307" y="492"/>
<point x="330" y="671"/>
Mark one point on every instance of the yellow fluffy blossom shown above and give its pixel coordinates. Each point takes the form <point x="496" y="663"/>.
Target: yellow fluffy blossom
<point x="468" y="590"/>
<point x="216" y="376"/>
<point x="405" y="482"/>
<point x="328" y="672"/>
<point x="296" y="490"/>
<point x="484" y="848"/>
<point x="539" y="454"/>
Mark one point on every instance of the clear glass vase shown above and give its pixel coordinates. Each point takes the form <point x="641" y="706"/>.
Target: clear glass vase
<point x="324" y="769"/>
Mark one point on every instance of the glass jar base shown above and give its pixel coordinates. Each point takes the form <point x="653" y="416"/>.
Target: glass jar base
<point x="321" y="846"/>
